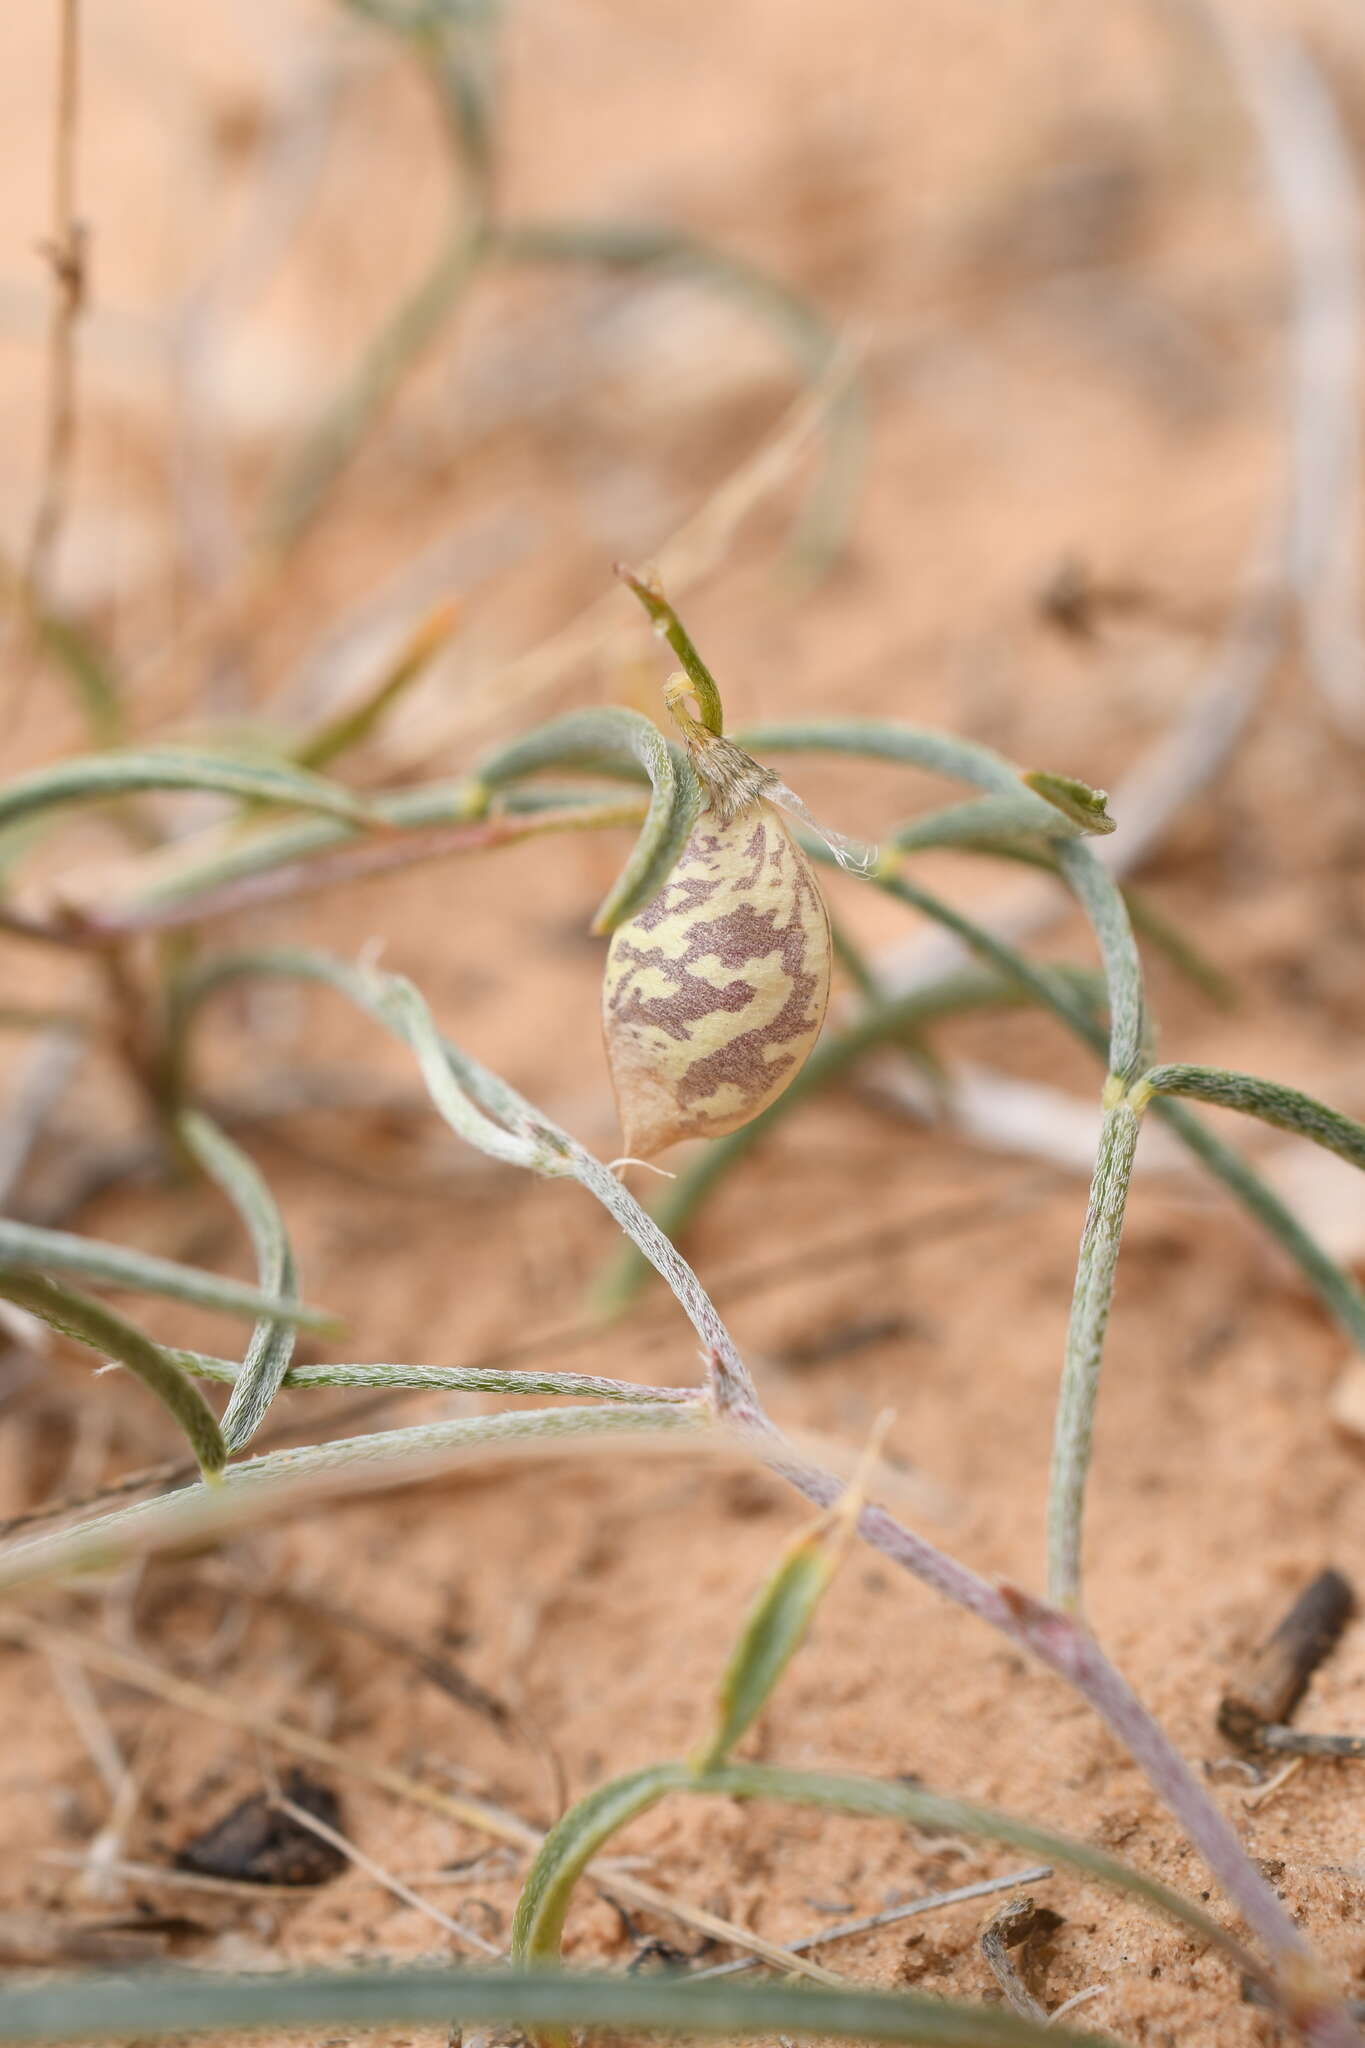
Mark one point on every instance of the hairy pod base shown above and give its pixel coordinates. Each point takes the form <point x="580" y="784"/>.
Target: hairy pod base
<point x="715" y="994"/>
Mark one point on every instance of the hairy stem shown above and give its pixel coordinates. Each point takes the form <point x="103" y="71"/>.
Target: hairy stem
<point x="1090" y="1304"/>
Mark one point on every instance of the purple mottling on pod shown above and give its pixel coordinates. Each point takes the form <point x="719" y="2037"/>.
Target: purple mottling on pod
<point x="715" y="993"/>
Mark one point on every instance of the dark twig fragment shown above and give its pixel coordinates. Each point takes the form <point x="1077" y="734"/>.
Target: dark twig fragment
<point x="1303" y="1742"/>
<point x="260" y="1843"/>
<point x="1254" y="1710"/>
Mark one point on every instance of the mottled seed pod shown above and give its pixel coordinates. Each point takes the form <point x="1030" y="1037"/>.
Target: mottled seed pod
<point x="716" y="991"/>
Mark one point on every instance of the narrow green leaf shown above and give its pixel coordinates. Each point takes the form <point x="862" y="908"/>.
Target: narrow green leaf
<point x="1161" y="932"/>
<point x="988" y="824"/>
<point x="272" y="1341"/>
<point x="941" y="753"/>
<point x="352" y="725"/>
<point x="61" y="1251"/>
<point x="152" y="2003"/>
<point x="253" y="1488"/>
<point x="78" y="651"/>
<point x="666" y="621"/>
<point x="776" y="1626"/>
<point x="89" y="1322"/>
<point x="597" y="738"/>
<point x="1287" y="1108"/>
<point x="438" y="1379"/>
<point x="101" y="776"/>
<point x="569" y="1848"/>
<point x="1339" y="1292"/>
<point x="397" y="1003"/>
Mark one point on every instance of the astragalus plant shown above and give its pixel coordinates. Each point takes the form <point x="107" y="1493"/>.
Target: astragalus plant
<point x="714" y="997"/>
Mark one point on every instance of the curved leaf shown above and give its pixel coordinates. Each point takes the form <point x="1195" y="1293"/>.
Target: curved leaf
<point x="598" y="739"/>
<point x="569" y="1848"/>
<point x="776" y="1626"/>
<point x="95" y="776"/>
<point x="1073" y="802"/>
<point x="89" y="1322"/>
<point x="918" y="746"/>
<point x="62" y="1251"/>
<point x="1289" y="1109"/>
<point x="341" y="730"/>
<point x="988" y="824"/>
<point x="666" y="621"/>
<point x="272" y="1341"/>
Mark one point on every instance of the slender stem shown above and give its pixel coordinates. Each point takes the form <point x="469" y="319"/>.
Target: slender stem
<point x="1102" y="900"/>
<point x="449" y="1379"/>
<point x="66" y="252"/>
<point x="375" y="855"/>
<point x="195" y="1514"/>
<point x="272" y="1341"/>
<point x="1090" y="1304"/>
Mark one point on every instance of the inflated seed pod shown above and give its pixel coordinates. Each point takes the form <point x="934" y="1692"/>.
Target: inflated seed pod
<point x="715" y="992"/>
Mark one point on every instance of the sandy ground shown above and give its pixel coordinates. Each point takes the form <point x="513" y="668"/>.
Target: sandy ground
<point x="1047" y="234"/>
